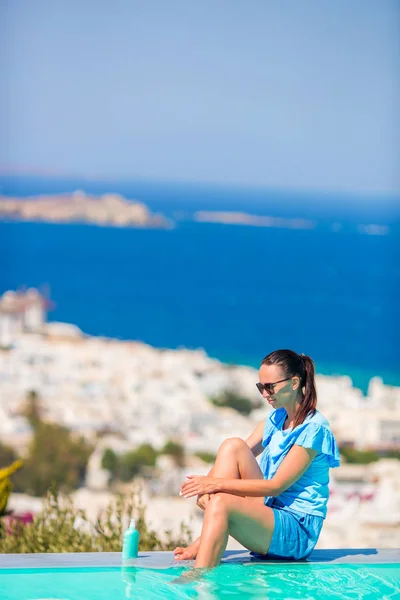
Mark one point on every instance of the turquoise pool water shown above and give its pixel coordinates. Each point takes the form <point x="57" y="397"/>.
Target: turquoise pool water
<point x="267" y="582"/>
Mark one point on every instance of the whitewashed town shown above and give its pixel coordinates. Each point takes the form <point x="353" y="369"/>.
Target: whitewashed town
<point x="133" y="394"/>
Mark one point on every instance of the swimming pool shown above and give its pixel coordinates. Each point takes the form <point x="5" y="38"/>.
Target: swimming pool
<point x="245" y="580"/>
<point x="366" y="582"/>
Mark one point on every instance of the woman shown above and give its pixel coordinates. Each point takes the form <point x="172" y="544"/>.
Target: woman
<point x="277" y="508"/>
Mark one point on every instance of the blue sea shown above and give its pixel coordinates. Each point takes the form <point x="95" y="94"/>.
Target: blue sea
<point x="236" y="291"/>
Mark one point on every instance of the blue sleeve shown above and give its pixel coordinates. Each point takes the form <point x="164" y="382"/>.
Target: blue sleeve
<point x="320" y="438"/>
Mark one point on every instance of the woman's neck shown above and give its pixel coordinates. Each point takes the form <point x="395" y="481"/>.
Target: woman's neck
<point x="291" y="412"/>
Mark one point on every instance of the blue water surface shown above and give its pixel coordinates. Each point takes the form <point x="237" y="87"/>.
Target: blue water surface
<point x="237" y="291"/>
<point x="250" y="582"/>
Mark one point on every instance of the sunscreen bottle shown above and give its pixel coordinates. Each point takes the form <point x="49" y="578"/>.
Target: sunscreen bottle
<point x="130" y="547"/>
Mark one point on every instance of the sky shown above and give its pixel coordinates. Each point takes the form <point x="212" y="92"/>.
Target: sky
<point x="287" y="94"/>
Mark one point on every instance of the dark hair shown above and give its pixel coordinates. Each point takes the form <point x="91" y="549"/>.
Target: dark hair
<point x="293" y="364"/>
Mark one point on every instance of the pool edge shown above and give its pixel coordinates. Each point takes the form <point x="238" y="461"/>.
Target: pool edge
<point x="165" y="560"/>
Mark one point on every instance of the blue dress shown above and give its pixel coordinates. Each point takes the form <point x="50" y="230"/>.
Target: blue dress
<point x="299" y="512"/>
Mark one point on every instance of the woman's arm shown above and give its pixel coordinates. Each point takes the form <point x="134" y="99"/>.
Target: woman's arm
<point x="254" y="441"/>
<point x="292" y="468"/>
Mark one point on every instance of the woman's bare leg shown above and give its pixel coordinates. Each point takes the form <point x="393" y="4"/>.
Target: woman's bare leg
<point x="246" y="519"/>
<point x="234" y="461"/>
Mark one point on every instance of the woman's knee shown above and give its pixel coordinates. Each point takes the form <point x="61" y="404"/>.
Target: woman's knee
<point x="233" y="444"/>
<point x="219" y="503"/>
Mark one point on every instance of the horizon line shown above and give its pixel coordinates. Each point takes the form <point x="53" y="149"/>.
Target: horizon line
<point x="56" y="173"/>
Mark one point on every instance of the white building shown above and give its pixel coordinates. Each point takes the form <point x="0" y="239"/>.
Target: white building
<point x="21" y="311"/>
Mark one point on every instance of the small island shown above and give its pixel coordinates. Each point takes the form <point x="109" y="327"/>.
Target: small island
<point x="106" y="210"/>
<point x="243" y="218"/>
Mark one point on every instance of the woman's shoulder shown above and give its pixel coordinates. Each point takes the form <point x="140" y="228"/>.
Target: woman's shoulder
<point x="318" y="420"/>
<point x="276" y="417"/>
<point x="315" y="433"/>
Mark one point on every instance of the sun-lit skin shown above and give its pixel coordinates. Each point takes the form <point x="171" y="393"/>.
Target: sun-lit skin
<point x="287" y="394"/>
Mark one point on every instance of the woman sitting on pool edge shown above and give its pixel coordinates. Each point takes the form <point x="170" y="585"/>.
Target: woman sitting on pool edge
<point x="277" y="508"/>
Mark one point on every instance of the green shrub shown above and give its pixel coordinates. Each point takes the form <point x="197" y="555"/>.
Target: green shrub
<point x="207" y="457"/>
<point x="242" y="405"/>
<point x="7" y="455"/>
<point x="363" y="457"/>
<point x="55" y="457"/>
<point x="132" y="463"/>
<point x="390" y="454"/>
<point x="110" y="461"/>
<point x="177" y="451"/>
<point x="360" y="457"/>
<point x="60" y="527"/>
<point x="125" y="467"/>
<point x="32" y="409"/>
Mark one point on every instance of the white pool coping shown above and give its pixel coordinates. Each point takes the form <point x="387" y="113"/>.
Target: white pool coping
<point x="165" y="560"/>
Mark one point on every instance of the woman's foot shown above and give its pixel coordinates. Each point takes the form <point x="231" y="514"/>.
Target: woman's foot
<point x="188" y="553"/>
<point x="190" y="576"/>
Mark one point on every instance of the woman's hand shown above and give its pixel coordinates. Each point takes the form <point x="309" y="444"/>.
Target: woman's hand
<point x="198" y="485"/>
<point x="203" y="500"/>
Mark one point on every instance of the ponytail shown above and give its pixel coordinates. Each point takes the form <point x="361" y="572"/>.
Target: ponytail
<point x="308" y="404"/>
<point x="302" y="366"/>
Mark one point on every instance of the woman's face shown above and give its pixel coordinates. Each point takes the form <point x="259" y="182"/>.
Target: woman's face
<point x="284" y="392"/>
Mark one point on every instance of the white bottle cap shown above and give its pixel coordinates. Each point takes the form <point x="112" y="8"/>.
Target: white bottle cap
<point x="132" y="524"/>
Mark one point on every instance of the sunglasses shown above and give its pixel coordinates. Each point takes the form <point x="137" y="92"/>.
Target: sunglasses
<point x="269" y="387"/>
